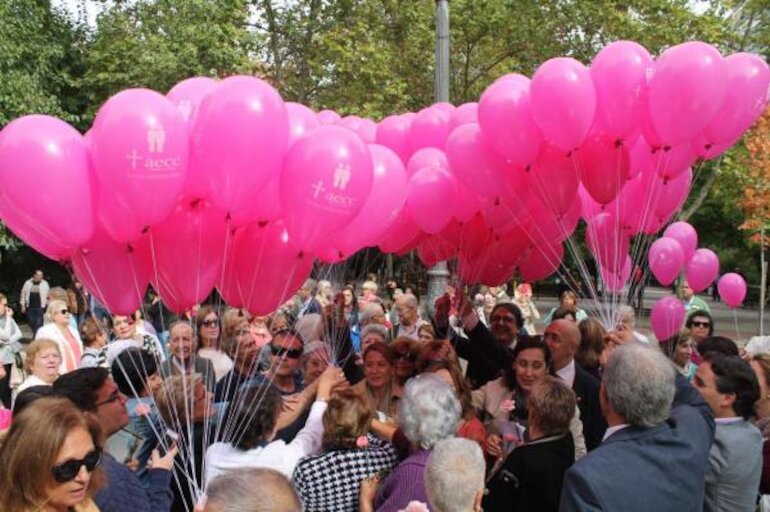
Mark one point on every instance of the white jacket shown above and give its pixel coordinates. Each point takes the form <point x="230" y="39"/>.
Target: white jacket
<point x="27" y="288"/>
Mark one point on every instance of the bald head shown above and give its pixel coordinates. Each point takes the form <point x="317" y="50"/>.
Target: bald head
<point x="563" y="339"/>
<point x="406" y="307"/>
<point x="252" y="490"/>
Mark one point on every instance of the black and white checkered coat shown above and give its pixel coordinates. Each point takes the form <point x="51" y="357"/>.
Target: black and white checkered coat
<point x="331" y="481"/>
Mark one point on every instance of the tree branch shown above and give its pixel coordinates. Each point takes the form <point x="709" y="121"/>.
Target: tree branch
<point x="702" y="193"/>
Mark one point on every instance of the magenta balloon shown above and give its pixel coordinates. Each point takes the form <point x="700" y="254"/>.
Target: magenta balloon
<point x="732" y="289"/>
<point x="669" y="195"/>
<point x="265" y="207"/>
<point x="427" y="157"/>
<point x="140" y="149"/>
<point x="748" y="79"/>
<point x="667" y="317"/>
<point x="466" y="204"/>
<point x="117" y="274"/>
<point x="445" y="107"/>
<point x="470" y="163"/>
<point x="563" y="101"/>
<point x="505" y="118"/>
<point x="615" y="279"/>
<point x="402" y="232"/>
<point x="604" y="167"/>
<point x="641" y="158"/>
<point x="368" y="131"/>
<point x="465" y="113"/>
<point x="302" y="120"/>
<point x="666" y="259"/>
<point x="607" y="241"/>
<point x="188" y="94"/>
<point x="393" y="133"/>
<point x="47" y="196"/>
<point x="673" y="161"/>
<point x="702" y="269"/>
<point x="428" y="193"/>
<point x="686" y="91"/>
<point x="619" y="74"/>
<point x="188" y="249"/>
<point x="433" y="249"/>
<point x="429" y="129"/>
<point x="707" y="151"/>
<point x="589" y="208"/>
<point x="326" y="178"/>
<point x="326" y="117"/>
<point x="475" y="237"/>
<point x="383" y="205"/>
<point x="243" y="133"/>
<point x="554" y="179"/>
<point x="541" y="262"/>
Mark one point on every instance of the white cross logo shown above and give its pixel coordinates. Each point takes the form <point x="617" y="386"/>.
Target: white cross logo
<point x="318" y="189"/>
<point x="637" y="90"/>
<point x="133" y="156"/>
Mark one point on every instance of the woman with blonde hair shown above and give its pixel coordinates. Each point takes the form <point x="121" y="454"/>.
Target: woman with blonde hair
<point x="42" y="366"/>
<point x="209" y="330"/>
<point x="377" y="386"/>
<point x="59" y="328"/>
<point x="50" y="460"/>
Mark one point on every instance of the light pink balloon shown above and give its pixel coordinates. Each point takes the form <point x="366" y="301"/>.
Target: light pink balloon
<point x="604" y="167"/>
<point x="326" y="179"/>
<point x="429" y="129"/>
<point x="707" y="151"/>
<point x="188" y="94"/>
<point x="641" y="158"/>
<point x="301" y="121"/>
<point x="428" y="193"/>
<point x="732" y="289"/>
<point x="619" y="74"/>
<point x="47" y="196"/>
<point x="554" y="179"/>
<point x="244" y="132"/>
<point x="686" y="91"/>
<point x="685" y="234"/>
<point x="666" y="259"/>
<point x="465" y="113"/>
<point x="188" y="250"/>
<point x="748" y="79"/>
<point x="383" y="205"/>
<point x="393" y="133"/>
<point x="563" y="101"/>
<point x="326" y="117"/>
<point x="505" y="118"/>
<point x="470" y="163"/>
<point x="368" y="131"/>
<point x="702" y="269"/>
<point x="140" y="149"/>
<point x="427" y="157"/>
<point x="667" y="317"/>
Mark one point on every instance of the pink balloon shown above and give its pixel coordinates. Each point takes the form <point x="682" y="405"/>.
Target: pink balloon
<point x="475" y="236"/>
<point x="666" y="259"/>
<point x="445" y="107"/>
<point x="433" y="249"/>
<point x="748" y="79"/>
<point x="554" y="179"/>
<point x="326" y="117"/>
<point x="508" y="249"/>
<point x="301" y="121"/>
<point x="702" y="269"/>
<point x="428" y="192"/>
<point x="402" y="232"/>
<point x="188" y="94"/>
<point x="615" y="279"/>
<point x="383" y="205"/>
<point x="47" y="195"/>
<point x="607" y="241"/>
<point x="427" y="157"/>
<point x="669" y="195"/>
<point x="465" y="113"/>
<point x="541" y="262"/>
<point x="265" y="205"/>
<point x="686" y="91"/>
<point x="368" y="131"/>
<point x="604" y="167"/>
<point x="117" y="274"/>
<point x="188" y="250"/>
<point x="393" y="133"/>
<point x="732" y="289"/>
<point x="429" y="129"/>
<point x="707" y="151"/>
<point x="467" y="154"/>
<point x="505" y="118"/>
<point x="589" y="207"/>
<point x="563" y="101"/>
<point x="686" y="235"/>
<point x="641" y="158"/>
<point x="667" y="317"/>
<point x="466" y="204"/>
<point x="619" y="74"/>
<point x="670" y="162"/>
<point x="243" y="132"/>
<point x="326" y="178"/>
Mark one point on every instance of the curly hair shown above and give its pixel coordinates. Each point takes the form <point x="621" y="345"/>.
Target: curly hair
<point x="460" y="382"/>
<point x="347" y="417"/>
<point x="428" y="411"/>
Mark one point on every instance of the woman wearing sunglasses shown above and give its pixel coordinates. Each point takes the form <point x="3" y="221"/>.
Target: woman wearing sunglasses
<point x="50" y="460"/>
<point x="209" y="332"/>
<point x="59" y="329"/>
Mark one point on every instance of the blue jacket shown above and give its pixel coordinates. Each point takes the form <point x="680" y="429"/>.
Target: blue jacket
<point x="124" y="492"/>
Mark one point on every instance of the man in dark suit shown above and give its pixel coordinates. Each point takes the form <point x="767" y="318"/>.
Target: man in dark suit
<point x="183" y="360"/>
<point x="309" y="303"/>
<point x="563" y="339"/>
<point x="654" y="455"/>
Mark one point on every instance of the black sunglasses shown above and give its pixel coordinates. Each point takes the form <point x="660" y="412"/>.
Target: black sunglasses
<point x="503" y="318"/>
<point x="701" y="324"/>
<point x="210" y="323"/>
<point x="64" y="311"/>
<point x="290" y="353"/>
<point x="67" y="471"/>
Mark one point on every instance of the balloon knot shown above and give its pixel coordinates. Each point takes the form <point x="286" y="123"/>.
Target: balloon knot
<point x="528" y="168"/>
<point x="497" y="201"/>
<point x="129" y="249"/>
<point x="619" y="143"/>
<point x="262" y="223"/>
<point x="194" y="203"/>
<point x="666" y="148"/>
<point x="145" y="229"/>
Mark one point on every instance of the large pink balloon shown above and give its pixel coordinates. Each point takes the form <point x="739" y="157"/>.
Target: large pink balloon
<point x="465" y="113"/>
<point x="140" y="149"/>
<point x="429" y="129"/>
<point x="672" y="161"/>
<point x="326" y="179"/>
<point x="381" y="207"/>
<point x="466" y="204"/>
<point x="748" y="79"/>
<point x="427" y="157"/>
<point x="619" y="74"/>
<point x="428" y="193"/>
<point x="505" y="118"/>
<point x="401" y="233"/>
<point x="541" y="262"/>
<point x="686" y="91"/>
<point x="188" y="250"/>
<point x="554" y="179"/>
<point x="467" y="154"/>
<point x="604" y="167"/>
<point x="563" y="101"/>
<point x="669" y="195"/>
<point x="732" y="289"/>
<point x="46" y="196"/>
<point x="685" y="234"/>
<point x="243" y="132"/>
<point x="666" y="259"/>
<point x="608" y="243"/>
<point x="301" y="120"/>
<point x="326" y="117"/>
<point x="667" y="317"/>
<point x="702" y="269"/>
<point x="393" y="132"/>
<point x="265" y="206"/>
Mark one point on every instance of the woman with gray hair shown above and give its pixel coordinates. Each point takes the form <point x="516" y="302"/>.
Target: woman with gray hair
<point x="455" y="476"/>
<point x="427" y="413"/>
<point x="59" y="329"/>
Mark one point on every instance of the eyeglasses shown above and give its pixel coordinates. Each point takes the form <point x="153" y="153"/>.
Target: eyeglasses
<point x="503" y="318"/>
<point x="67" y="471"/>
<point x="115" y="395"/>
<point x="290" y="353"/>
<point x="701" y="324"/>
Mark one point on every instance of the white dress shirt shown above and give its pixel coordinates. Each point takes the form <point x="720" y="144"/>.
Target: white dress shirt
<point x="612" y="430"/>
<point x="567" y="374"/>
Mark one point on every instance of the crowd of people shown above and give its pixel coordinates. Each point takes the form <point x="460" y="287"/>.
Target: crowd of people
<point x="349" y="397"/>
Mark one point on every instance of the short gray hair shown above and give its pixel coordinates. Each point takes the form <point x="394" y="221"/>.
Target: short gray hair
<point x="408" y="299"/>
<point x="428" y="411"/>
<point x="252" y="490"/>
<point x="626" y="311"/>
<point x="454" y="475"/>
<point x="640" y="384"/>
<point x="378" y="329"/>
<point x="310" y="285"/>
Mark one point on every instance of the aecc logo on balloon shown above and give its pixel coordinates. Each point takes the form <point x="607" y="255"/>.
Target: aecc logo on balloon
<point x="334" y="200"/>
<point x="156" y="141"/>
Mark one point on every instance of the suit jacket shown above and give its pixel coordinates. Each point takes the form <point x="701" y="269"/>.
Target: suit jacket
<point x="586" y="388"/>
<point x="200" y="365"/>
<point x="735" y="467"/>
<point x="486" y="356"/>
<point x="660" y="468"/>
<point x="313" y="307"/>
